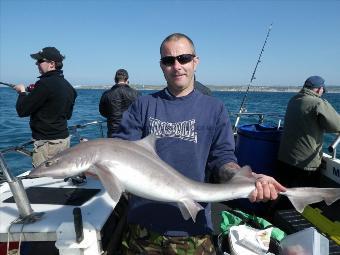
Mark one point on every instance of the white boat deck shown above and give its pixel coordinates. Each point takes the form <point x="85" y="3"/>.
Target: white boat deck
<point x="332" y="168"/>
<point x="95" y="211"/>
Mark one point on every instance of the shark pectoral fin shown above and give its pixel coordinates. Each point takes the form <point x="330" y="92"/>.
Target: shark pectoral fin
<point x="189" y="208"/>
<point x="110" y="182"/>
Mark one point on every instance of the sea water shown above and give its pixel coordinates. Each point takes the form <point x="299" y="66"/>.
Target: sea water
<point x="15" y="130"/>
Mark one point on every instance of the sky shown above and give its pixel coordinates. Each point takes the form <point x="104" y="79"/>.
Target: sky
<point x="99" y="37"/>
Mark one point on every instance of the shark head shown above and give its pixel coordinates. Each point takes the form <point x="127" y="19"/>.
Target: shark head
<point x="65" y="164"/>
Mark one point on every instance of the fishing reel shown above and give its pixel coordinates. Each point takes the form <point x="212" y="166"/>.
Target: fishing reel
<point x="30" y="87"/>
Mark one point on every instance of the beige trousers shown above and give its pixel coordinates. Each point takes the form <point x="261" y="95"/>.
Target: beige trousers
<point x="46" y="149"/>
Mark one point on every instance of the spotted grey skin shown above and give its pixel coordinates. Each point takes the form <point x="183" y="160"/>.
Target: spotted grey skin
<point x="135" y="167"/>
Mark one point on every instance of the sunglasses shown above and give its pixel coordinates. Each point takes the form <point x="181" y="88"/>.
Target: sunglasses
<point x="39" y="61"/>
<point x="182" y="59"/>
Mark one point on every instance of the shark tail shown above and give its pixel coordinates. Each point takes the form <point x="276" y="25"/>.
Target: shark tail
<point x="334" y="196"/>
<point x="329" y="195"/>
<point x="189" y="208"/>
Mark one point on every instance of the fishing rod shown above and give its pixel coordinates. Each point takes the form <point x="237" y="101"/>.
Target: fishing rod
<point x="242" y="108"/>
<point x="28" y="89"/>
<point x="8" y="84"/>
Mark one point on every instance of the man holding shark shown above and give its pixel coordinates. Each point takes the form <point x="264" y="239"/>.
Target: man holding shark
<point x="196" y="132"/>
<point x="169" y="206"/>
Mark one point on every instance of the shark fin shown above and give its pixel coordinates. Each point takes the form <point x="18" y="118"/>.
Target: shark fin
<point x="329" y="195"/>
<point x="244" y="171"/>
<point x="110" y="182"/>
<point x="334" y="195"/>
<point x="189" y="208"/>
<point x="148" y="143"/>
<point x="299" y="204"/>
<point x="242" y="174"/>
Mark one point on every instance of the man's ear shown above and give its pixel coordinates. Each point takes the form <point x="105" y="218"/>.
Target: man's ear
<point x="52" y="65"/>
<point x="320" y="91"/>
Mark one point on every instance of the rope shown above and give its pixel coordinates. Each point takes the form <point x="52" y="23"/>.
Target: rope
<point x="17" y="251"/>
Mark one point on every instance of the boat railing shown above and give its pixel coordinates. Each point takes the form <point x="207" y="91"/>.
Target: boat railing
<point x="26" y="147"/>
<point x="334" y="144"/>
<point x="261" y="116"/>
<point x="21" y="148"/>
<point x="74" y="131"/>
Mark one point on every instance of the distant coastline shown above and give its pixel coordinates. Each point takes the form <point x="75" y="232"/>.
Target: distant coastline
<point x="330" y="89"/>
<point x="235" y="88"/>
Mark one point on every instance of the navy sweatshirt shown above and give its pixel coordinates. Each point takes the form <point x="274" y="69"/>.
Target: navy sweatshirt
<point x="196" y="131"/>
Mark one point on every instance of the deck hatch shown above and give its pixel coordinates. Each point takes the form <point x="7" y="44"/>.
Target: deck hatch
<point x="58" y="196"/>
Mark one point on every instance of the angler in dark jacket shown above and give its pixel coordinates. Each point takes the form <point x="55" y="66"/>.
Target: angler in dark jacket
<point x="116" y="100"/>
<point x="49" y="105"/>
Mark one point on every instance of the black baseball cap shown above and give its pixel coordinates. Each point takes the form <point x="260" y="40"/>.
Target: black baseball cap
<point x="49" y="53"/>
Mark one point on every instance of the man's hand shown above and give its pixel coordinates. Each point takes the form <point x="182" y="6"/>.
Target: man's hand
<point x="19" y="88"/>
<point x="266" y="188"/>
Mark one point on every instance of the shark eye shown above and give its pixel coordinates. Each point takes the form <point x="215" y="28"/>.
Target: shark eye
<point x="48" y="163"/>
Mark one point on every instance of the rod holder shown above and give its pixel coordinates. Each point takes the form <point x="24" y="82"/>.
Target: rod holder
<point x="26" y="213"/>
<point x="20" y="198"/>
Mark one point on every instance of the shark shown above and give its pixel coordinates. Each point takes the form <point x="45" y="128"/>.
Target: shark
<point x="135" y="167"/>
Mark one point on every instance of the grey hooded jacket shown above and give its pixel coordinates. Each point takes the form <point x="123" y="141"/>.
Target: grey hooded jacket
<point x="308" y="117"/>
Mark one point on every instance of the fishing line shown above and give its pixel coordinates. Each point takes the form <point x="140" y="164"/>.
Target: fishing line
<point x="242" y="107"/>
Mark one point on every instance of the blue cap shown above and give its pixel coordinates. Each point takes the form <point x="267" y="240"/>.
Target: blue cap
<point x="315" y="82"/>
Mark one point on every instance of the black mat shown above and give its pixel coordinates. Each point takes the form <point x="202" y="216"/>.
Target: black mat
<point x="291" y="222"/>
<point x="58" y="196"/>
<point x="331" y="211"/>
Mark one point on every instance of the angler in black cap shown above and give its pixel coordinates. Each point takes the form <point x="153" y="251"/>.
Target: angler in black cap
<point x="116" y="100"/>
<point x="308" y="117"/>
<point x="49" y="105"/>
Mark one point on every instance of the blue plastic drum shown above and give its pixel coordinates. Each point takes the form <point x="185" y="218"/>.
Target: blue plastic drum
<point x="257" y="146"/>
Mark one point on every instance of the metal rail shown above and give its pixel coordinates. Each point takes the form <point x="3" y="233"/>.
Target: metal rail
<point x="74" y="130"/>
<point x="332" y="147"/>
<point x="19" y="148"/>
<point x="260" y="115"/>
<point x="22" y="148"/>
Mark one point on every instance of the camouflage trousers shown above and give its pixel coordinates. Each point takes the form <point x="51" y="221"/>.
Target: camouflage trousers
<point x="139" y="240"/>
<point x="46" y="149"/>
